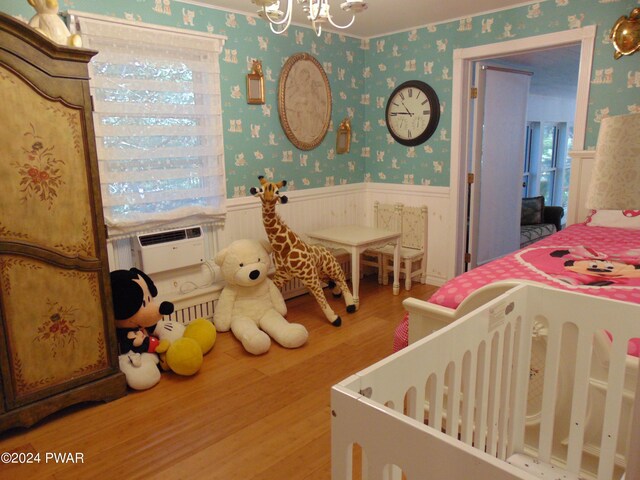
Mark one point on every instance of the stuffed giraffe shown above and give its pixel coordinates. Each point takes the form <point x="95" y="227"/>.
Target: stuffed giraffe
<point x="294" y="258"/>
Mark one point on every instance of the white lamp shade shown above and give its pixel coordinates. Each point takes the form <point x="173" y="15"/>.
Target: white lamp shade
<point x="615" y="179"/>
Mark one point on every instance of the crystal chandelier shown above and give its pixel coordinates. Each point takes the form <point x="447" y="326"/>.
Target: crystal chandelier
<point x="318" y="13"/>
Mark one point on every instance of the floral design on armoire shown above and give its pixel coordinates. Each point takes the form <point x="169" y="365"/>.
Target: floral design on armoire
<point x="59" y="329"/>
<point x="39" y="171"/>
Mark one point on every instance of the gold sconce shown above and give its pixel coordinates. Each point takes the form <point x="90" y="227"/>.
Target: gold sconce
<point x="343" y="138"/>
<point x="625" y="34"/>
<point x="255" y="84"/>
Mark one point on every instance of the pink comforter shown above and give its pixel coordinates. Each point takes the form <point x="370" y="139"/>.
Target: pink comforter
<point x="594" y="260"/>
<point x="600" y="261"/>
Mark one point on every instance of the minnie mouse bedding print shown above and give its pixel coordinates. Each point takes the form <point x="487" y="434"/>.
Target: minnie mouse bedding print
<point x="585" y="258"/>
<point x="600" y="261"/>
<point x="584" y="266"/>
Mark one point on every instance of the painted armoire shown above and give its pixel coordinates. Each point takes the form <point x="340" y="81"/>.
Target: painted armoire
<point x="57" y="335"/>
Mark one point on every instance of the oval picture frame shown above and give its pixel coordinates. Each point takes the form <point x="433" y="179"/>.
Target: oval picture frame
<point x="304" y="101"/>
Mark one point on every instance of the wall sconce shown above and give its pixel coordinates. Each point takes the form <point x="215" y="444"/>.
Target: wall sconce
<point x="625" y="34"/>
<point x="343" y="138"/>
<point x="255" y="84"/>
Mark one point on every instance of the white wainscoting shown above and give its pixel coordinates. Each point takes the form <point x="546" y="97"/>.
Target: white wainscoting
<point x="306" y="210"/>
<point x="440" y="249"/>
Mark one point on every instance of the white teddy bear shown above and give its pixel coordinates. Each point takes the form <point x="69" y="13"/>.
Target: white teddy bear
<point x="250" y="304"/>
<point x="47" y="22"/>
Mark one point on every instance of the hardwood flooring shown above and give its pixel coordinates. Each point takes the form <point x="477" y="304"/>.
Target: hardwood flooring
<point x="240" y="417"/>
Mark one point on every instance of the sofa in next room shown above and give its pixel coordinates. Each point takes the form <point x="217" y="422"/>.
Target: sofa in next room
<point x="538" y="221"/>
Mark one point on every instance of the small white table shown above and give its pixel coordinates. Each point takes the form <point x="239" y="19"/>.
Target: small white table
<point x="356" y="239"/>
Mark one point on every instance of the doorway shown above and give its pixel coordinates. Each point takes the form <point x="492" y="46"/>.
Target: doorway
<point x="461" y="131"/>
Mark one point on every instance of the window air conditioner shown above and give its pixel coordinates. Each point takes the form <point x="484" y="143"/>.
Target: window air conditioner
<point x="170" y="249"/>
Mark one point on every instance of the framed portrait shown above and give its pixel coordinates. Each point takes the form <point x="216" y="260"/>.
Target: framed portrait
<point x="255" y="84"/>
<point x="343" y="136"/>
<point x="304" y="101"/>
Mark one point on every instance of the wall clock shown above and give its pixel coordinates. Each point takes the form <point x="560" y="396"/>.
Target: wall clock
<point x="413" y="112"/>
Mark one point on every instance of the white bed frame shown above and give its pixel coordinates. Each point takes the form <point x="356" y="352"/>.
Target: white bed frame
<point x="469" y="381"/>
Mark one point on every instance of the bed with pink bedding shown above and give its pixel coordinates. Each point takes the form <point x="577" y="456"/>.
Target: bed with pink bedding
<point x="599" y="257"/>
<point x="600" y="261"/>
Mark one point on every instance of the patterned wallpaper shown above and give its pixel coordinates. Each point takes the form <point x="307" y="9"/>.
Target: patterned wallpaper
<point x="362" y="73"/>
<point x="427" y="54"/>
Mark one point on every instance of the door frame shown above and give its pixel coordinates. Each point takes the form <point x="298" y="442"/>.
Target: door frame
<point x="463" y="59"/>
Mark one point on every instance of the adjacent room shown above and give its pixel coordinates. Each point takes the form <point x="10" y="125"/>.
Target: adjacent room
<point x="313" y="239"/>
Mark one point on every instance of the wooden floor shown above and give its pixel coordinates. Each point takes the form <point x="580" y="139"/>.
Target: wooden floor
<point x="240" y="417"/>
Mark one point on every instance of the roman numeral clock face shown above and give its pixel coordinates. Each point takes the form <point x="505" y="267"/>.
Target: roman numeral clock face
<point x="413" y="112"/>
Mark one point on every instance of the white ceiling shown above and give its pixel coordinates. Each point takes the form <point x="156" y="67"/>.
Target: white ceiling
<point x="385" y="16"/>
<point x="555" y="71"/>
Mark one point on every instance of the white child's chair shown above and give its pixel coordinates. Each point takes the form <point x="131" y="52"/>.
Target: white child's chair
<point x="413" y="252"/>
<point x="388" y="217"/>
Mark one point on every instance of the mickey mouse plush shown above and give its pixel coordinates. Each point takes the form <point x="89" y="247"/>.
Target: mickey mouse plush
<point x="136" y="312"/>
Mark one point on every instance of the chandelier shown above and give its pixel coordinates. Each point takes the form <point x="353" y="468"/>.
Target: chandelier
<point x="318" y="13"/>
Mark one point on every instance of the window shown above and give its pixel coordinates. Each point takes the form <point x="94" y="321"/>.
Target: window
<point x="566" y="171"/>
<point x="547" y="167"/>
<point x="529" y="154"/>
<point x="158" y="125"/>
<point x="548" y="162"/>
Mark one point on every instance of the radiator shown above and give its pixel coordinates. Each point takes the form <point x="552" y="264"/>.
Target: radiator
<point x="203" y="305"/>
<point x="201" y="310"/>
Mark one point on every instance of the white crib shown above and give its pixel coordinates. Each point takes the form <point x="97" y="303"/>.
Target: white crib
<point x="454" y="405"/>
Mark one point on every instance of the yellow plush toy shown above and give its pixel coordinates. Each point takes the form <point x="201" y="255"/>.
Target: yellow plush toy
<point x="203" y="332"/>
<point x="47" y="22"/>
<point x="181" y="349"/>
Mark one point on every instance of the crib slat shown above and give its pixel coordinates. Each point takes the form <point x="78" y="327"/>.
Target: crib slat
<point x="580" y="398"/>
<point x="482" y="395"/>
<point x="505" y="408"/>
<point x="409" y="402"/>
<point x="617" y="364"/>
<point x="374" y="470"/>
<point x="549" y="394"/>
<point x="418" y="413"/>
<point x="522" y="369"/>
<point x="435" y="405"/>
<point x="494" y="394"/>
<point x="468" y="387"/>
<point x="453" y="400"/>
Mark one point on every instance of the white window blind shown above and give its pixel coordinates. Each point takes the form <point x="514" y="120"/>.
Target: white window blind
<point x="158" y="126"/>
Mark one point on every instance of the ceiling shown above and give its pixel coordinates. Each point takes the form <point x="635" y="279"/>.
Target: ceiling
<point x="555" y="71"/>
<point x="385" y="16"/>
